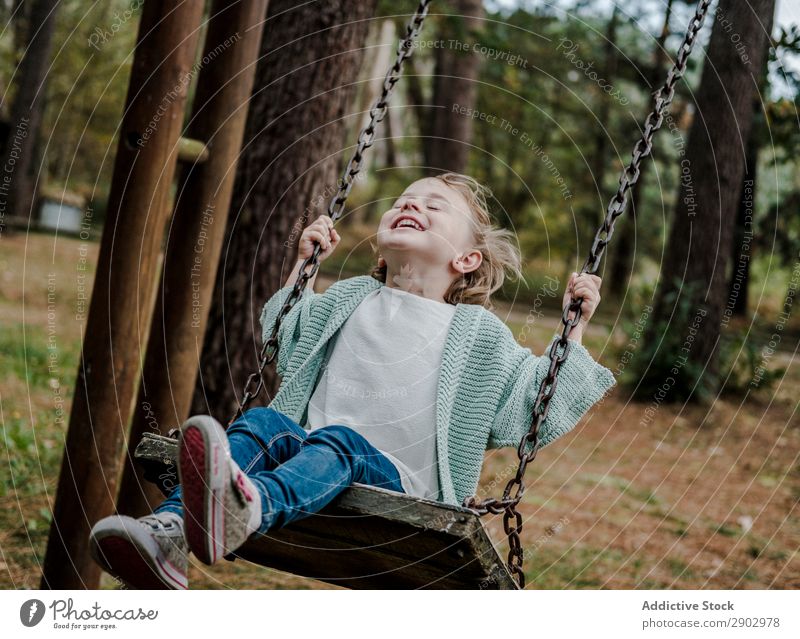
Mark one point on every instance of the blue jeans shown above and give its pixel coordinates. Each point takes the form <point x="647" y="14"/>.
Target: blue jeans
<point x="298" y="472"/>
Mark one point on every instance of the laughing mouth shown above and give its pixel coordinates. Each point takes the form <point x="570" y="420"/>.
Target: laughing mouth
<point x="406" y="221"/>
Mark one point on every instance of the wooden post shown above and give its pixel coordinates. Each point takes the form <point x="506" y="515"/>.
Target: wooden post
<point x="123" y="292"/>
<point x="195" y="239"/>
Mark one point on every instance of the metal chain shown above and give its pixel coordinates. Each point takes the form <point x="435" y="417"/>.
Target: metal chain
<point x="405" y="47"/>
<point x="512" y="519"/>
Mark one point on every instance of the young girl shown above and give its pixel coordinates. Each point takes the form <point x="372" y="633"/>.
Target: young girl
<point x="399" y="379"/>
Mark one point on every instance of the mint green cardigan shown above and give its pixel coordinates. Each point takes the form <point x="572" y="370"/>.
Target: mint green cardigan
<point x="487" y="382"/>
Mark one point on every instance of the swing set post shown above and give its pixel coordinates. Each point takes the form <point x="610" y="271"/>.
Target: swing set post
<point x="194" y="240"/>
<point x="123" y="292"/>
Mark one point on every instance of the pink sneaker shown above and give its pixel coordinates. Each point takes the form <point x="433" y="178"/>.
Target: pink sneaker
<point x="222" y="507"/>
<point x="148" y="553"/>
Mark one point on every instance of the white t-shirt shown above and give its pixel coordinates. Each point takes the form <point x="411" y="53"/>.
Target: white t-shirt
<point x="380" y="379"/>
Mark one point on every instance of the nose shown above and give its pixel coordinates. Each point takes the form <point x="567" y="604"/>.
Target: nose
<point x="410" y="203"/>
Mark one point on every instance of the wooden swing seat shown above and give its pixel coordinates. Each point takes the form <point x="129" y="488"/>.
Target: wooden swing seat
<point x="370" y="537"/>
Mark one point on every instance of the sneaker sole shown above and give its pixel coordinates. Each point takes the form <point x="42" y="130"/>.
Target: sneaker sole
<point x="128" y="553"/>
<point x="202" y="470"/>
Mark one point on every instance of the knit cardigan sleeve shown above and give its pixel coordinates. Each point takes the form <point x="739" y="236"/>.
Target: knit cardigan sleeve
<point x="291" y="326"/>
<point x="581" y="383"/>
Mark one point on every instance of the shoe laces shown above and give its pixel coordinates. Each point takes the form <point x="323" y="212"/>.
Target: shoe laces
<point x="243" y="487"/>
<point x="157" y="524"/>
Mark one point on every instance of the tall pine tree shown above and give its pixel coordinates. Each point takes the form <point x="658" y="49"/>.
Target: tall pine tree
<point x="293" y="149"/>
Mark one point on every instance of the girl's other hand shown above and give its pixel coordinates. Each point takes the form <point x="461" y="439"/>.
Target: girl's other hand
<point x="321" y="232"/>
<point x="588" y="287"/>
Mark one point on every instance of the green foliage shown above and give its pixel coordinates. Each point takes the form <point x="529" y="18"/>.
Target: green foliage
<point x="740" y="363"/>
<point x="663" y="370"/>
<point x="28" y="460"/>
<point x="29" y="427"/>
<point x="554" y="175"/>
<point x="24" y="355"/>
<point x="550" y="141"/>
<point x="86" y="87"/>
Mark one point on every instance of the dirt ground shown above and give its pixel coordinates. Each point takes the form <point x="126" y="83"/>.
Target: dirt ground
<point x="699" y="497"/>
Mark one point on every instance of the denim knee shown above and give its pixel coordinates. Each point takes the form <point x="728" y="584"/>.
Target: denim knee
<point x="366" y="462"/>
<point x="342" y="439"/>
<point x="263" y="422"/>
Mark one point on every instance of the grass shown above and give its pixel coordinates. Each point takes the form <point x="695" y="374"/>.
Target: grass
<point x="582" y="568"/>
<point x="610" y="505"/>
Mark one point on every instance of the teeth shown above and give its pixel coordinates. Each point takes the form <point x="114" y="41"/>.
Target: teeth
<point x="409" y="222"/>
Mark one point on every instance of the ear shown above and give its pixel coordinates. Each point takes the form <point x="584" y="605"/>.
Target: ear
<point x="381" y="261"/>
<point x="467" y="262"/>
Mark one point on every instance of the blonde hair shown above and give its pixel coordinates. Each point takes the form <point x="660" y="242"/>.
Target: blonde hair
<point x="497" y="245"/>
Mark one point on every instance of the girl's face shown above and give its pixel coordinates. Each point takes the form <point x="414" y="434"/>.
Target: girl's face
<point x="430" y="221"/>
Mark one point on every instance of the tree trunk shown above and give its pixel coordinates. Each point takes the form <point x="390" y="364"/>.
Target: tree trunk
<point x="742" y="253"/>
<point x="378" y="60"/>
<point x="609" y="71"/>
<point x="15" y="18"/>
<point x="287" y="174"/>
<point x="742" y="245"/>
<point x="26" y="114"/>
<point x="599" y="157"/>
<point x="693" y="285"/>
<point x="621" y="255"/>
<point x="454" y="86"/>
<point x="21" y="14"/>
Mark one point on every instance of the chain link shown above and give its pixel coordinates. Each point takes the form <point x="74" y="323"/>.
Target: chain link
<point x="405" y="47"/>
<point x="507" y="504"/>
